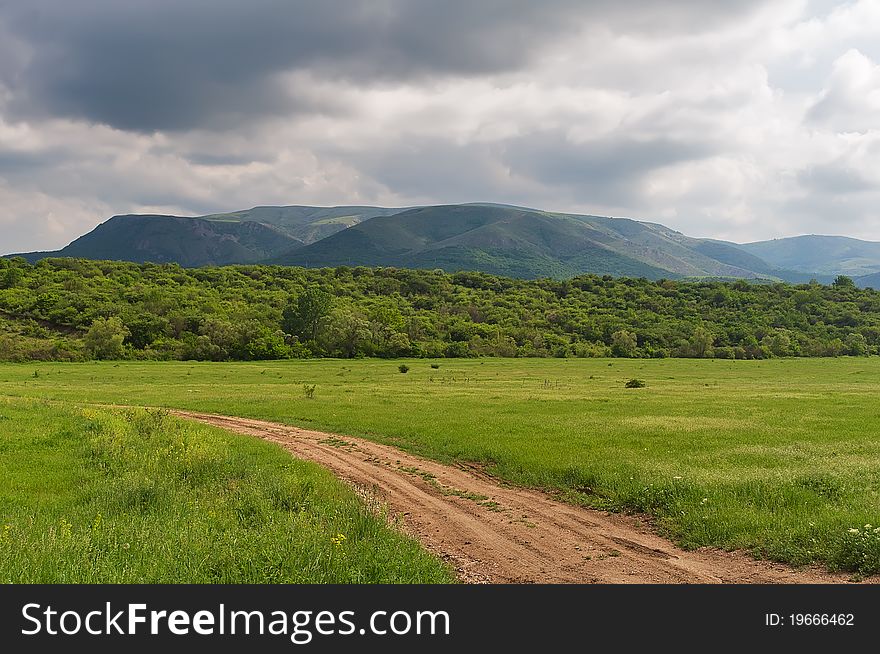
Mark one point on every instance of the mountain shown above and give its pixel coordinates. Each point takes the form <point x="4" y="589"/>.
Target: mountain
<point x="823" y="255"/>
<point x="306" y="224"/>
<point x="190" y="242"/>
<point x="247" y="236"/>
<point x="494" y="238"/>
<point x="520" y="242"/>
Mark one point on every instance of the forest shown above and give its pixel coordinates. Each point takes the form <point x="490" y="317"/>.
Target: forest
<point x="62" y="309"/>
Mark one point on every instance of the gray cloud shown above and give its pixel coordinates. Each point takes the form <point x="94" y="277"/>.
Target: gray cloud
<point x="836" y="179"/>
<point x="741" y="120"/>
<point x="608" y="170"/>
<point x="176" y="64"/>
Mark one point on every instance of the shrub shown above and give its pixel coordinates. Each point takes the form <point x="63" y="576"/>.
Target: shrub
<point x="636" y="383"/>
<point x="105" y="338"/>
<point x="435" y="366"/>
<point x="623" y="343"/>
<point x="859" y="550"/>
<point x="309" y="391"/>
<point x="403" y="368"/>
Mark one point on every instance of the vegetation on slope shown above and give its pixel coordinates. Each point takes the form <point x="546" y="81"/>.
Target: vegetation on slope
<point x="70" y="309"/>
<point x="304" y="223"/>
<point x="519" y="242"/>
<point x="169" y="239"/>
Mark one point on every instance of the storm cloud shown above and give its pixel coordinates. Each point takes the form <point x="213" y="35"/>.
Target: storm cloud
<point x="742" y="120"/>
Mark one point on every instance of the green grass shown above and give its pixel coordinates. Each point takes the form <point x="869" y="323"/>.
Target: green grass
<point x="132" y="496"/>
<point x="779" y="457"/>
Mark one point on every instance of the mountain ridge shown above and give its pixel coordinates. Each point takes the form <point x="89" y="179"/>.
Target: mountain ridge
<point x="490" y="237"/>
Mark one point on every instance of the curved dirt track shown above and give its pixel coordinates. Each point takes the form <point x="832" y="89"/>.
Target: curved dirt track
<point x="492" y="533"/>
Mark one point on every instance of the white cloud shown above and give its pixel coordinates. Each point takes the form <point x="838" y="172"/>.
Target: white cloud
<point x="850" y="101"/>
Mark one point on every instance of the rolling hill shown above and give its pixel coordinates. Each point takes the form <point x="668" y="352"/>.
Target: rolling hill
<point x="869" y="281"/>
<point x="191" y="242"/>
<point x="494" y="238"/>
<point x="520" y="242"/>
<point x="824" y="255"/>
<point x="248" y="236"/>
<point x="306" y="224"/>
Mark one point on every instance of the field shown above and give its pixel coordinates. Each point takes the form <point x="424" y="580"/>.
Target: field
<point x="778" y="457"/>
<point x="133" y="496"/>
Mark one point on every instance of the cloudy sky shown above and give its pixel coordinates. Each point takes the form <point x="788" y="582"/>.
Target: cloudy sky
<point x="742" y="120"/>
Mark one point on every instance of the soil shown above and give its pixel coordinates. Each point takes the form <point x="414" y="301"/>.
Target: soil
<point x="491" y="532"/>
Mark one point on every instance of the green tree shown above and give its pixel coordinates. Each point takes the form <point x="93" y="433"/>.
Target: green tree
<point x="346" y="334"/>
<point x="842" y="281"/>
<point x="11" y="277"/>
<point x="105" y="338"/>
<point x="778" y="343"/>
<point x="856" y="345"/>
<point x="623" y="343"/>
<point x="701" y="343"/>
<point x="302" y="316"/>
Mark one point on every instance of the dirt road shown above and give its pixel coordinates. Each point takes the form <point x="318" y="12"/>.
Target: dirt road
<point x="493" y="533"/>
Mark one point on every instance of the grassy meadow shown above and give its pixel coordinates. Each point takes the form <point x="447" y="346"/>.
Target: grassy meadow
<point x="128" y="496"/>
<point x="780" y="457"/>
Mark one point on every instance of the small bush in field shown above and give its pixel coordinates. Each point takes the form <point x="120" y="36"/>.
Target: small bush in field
<point x="309" y="391"/>
<point x="435" y="366"/>
<point x="403" y="368"/>
<point x="636" y="383"/>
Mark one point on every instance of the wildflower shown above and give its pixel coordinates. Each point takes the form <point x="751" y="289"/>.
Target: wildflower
<point x="704" y="500"/>
<point x="338" y="539"/>
<point x="853" y="531"/>
<point x="677" y="477"/>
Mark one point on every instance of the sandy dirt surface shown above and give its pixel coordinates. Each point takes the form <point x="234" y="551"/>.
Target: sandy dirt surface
<point x="491" y="532"/>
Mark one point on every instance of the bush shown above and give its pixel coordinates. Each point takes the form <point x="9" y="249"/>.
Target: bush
<point x="403" y="368"/>
<point x="457" y="350"/>
<point x="636" y="383"/>
<point x="105" y="338"/>
<point x="435" y="366"/>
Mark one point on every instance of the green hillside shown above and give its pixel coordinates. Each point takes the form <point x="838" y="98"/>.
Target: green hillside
<point x="189" y="242"/>
<point x="828" y="255"/>
<point x="239" y="237"/>
<point x="304" y="223"/>
<point x="63" y="309"/>
<point x="492" y="238"/>
<point x="515" y="242"/>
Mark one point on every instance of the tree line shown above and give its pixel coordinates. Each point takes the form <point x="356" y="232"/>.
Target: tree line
<point x="75" y="309"/>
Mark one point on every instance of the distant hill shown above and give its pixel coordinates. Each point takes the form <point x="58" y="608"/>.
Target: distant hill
<point x="824" y="255"/>
<point x="518" y="242"/>
<point x="190" y="242"/>
<point x="306" y="224"/>
<point x="869" y="281"/>
<point x="493" y="238"/>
